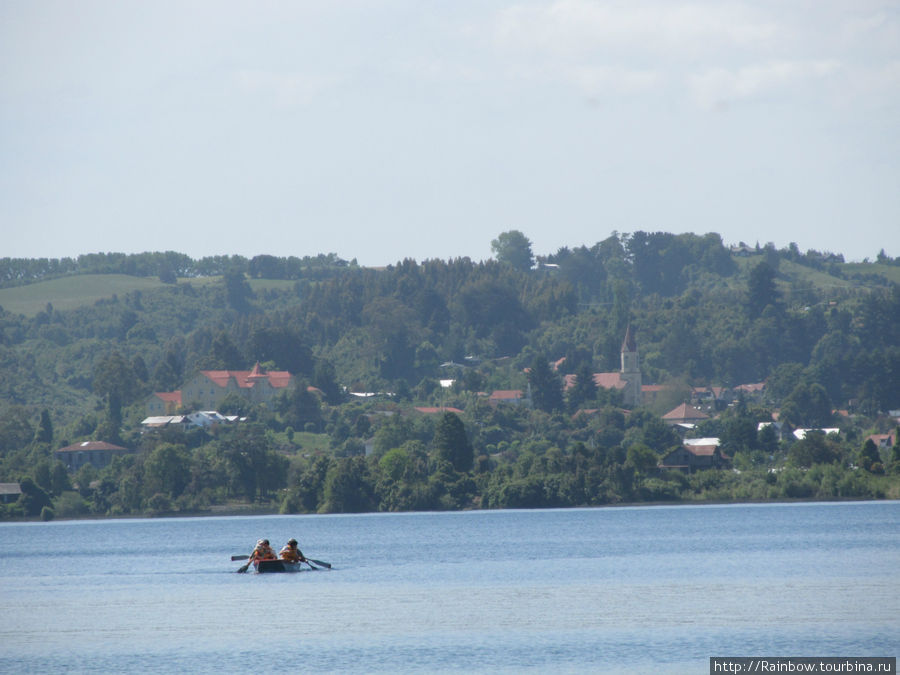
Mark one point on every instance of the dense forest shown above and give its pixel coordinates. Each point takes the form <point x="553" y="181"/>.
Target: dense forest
<point x="394" y="367"/>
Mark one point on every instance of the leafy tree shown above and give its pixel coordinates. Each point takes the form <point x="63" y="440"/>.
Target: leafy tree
<point x="15" y="429"/>
<point x="253" y="468"/>
<point x="167" y="470"/>
<point x="349" y="487"/>
<point x="238" y="293"/>
<point x="807" y="405"/>
<point x="298" y="406"/>
<point x="451" y="442"/>
<point x="869" y="458"/>
<point x="33" y="498"/>
<point x="813" y="449"/>
<point x="514" y="249"/>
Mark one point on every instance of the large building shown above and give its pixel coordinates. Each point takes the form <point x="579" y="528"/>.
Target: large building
<point x="207" y="389"/>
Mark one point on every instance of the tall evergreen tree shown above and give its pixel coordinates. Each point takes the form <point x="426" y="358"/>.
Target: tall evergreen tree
<point x="546" y="386"/>
<point x="451" y="442"/>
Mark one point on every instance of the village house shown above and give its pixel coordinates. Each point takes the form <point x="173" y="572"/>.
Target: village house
<point x="96" y="453"/>
<point x="684" y="415"/>
<point x="882" y="441"/>
<point x="209" y="387"/>
<point x="695" y="455"/>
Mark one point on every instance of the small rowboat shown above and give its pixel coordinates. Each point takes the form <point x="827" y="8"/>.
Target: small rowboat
<point x="278" y="566"/>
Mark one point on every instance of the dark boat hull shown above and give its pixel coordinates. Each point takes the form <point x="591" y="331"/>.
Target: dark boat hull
<point x="277" y="566"/>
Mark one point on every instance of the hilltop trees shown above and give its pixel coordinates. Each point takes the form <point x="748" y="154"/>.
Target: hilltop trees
<point x="514" y="249"/>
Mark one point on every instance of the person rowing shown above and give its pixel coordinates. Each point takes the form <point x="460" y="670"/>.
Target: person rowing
<point x="263" y="551"/>
<point x="291" y="553"/>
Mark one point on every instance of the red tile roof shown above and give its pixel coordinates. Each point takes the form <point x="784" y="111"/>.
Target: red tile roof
<point x="685" y="412"/>
<point x="650" y="388"/>
<point x="247" y="378"/>
<point x="169" y="396"/>
<point x="751" y="388"/>
<point x="507" y="395"/>
<point x="609" y="380"/>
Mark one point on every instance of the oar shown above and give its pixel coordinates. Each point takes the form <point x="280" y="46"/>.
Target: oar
<point x="243" y="568"/>
<point x="239" y="557"/>
<point x="319" y="562"/>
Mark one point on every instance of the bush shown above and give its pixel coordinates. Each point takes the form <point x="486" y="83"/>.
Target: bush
<point x="70" y="504"/>
<point x="47" y="514"/>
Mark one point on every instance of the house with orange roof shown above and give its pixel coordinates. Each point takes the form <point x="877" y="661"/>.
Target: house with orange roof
<point x="207" y="389"/>
<point x="164" y="403"/>
<point x="684" y="414"/>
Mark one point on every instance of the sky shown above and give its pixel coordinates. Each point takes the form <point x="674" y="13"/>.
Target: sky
<point x="381" y="130"/>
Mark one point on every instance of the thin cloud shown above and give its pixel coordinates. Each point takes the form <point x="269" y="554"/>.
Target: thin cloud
<point x="720" y="86"/>
<point x="571" y="27"/>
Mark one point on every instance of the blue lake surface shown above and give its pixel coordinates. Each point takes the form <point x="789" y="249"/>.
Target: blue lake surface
<point x="607" y="590"/>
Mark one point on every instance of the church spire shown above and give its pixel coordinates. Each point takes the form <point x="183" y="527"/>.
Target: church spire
<point x="628" y="344"/>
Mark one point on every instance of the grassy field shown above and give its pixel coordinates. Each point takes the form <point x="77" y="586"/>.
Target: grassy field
<point x="71" y="292"/>
<point x="85" y="289"/>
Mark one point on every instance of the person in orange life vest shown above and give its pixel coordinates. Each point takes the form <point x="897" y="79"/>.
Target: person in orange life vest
<point x="291" y="553"/>
<point x="262" y="551"/>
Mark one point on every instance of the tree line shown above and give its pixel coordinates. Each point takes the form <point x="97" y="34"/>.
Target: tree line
<point x="703" y="316"/>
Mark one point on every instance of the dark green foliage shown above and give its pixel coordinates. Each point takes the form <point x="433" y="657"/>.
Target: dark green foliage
<point x="761" y="289"/>
<point x="33" y="499"/>
<point x="584" y="389"/>
<point x="237" y="291"/>
<point x="545" y="385"/>
<point x="452" y="443"/>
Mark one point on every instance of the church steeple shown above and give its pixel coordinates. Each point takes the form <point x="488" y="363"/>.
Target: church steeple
<point x="629" y="352"/>
<point x="628" y="344"/>
<point x="631" y="370"/>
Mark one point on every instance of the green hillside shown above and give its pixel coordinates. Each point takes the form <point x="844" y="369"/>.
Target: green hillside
<point x="72" y="292"/>
<point x="379" y="355"/>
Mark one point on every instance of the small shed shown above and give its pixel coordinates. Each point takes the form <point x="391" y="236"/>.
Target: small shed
<point x="10" y="492"/>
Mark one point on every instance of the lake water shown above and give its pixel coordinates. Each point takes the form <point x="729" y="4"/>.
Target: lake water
<point x="630" y="590"/>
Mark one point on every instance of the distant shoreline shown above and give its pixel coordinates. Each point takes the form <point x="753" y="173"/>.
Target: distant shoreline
<point x="234" y="511"/>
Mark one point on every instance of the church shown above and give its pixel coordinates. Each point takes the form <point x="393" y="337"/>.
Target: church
<point x="627" y="379"/>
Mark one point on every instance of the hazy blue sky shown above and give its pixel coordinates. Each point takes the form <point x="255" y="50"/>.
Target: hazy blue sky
<point x="387" y="129"/>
